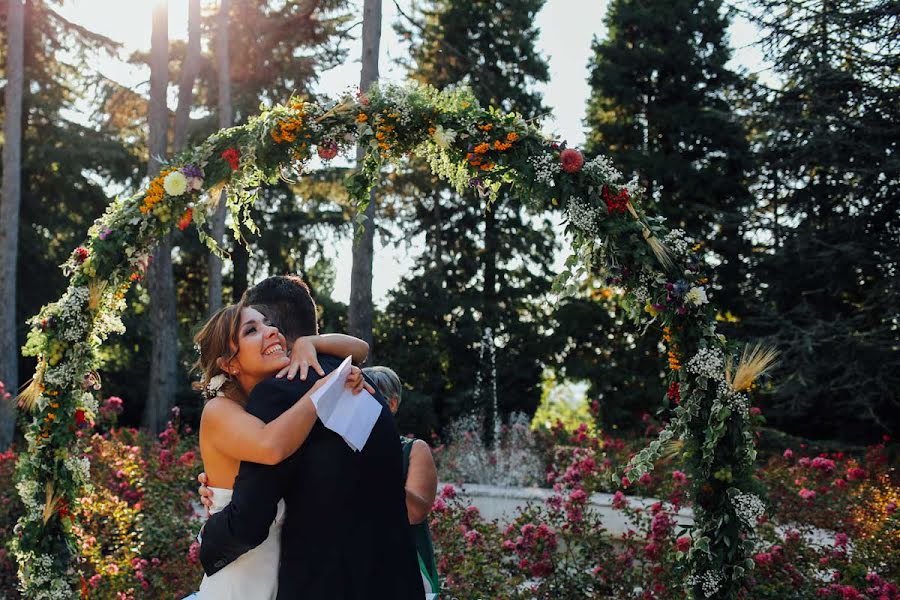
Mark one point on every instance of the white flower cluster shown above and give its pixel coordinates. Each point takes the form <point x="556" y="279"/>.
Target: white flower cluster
<point x="708" y="362"/>
<point x="710" y="582"/>
<point x="398" y="96"/>
<point x="546" y="166"/>
<point x="40" y="579"/>
<point x="28" y="492"/>
<point x="68" y="371"/>
<point x="602" y="167"/>
<point x="633" y="187"/>
<point x="675" y="241"/>
<point x="73" y="313"/>
<point x="748" y="508"/>
<point x="90" y="403"/>
<point x="584" y="216"/>
<point x="738" y="402"/>
<point x="79" y="467"/>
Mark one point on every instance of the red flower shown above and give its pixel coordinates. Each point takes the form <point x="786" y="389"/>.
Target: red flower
<point x="233" y="157"/>
<point x="572" y="160"/>
<point x="855" y="474"/>
<point x="186" y="219"/>
<point x="327" y="150"/>
<point x="81" y="254"/>
<point x="674" y="392"/>
<point x="683" y="544"/>
<point x="806" y="494"/>
<point x="80" y="419"/>
<point x="617" y="203"/>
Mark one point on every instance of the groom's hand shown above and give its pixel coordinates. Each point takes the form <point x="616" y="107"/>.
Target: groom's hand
<point x="205" y="492"/>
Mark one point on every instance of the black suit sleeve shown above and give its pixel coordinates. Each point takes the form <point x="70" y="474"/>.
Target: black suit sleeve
<point x="244" y="523"/>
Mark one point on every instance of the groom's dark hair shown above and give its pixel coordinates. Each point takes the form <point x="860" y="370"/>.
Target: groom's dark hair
<point x="288" y="304"/>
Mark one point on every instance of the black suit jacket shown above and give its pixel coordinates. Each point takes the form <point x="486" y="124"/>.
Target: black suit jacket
<point x="346" y="534"/>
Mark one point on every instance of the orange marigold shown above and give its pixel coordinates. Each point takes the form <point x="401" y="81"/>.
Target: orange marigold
<point x="362" y="117"/>
<point x="482" y="148"/>
<point x="512" y="136"/>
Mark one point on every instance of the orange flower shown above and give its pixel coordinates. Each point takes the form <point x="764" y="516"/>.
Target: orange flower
<point x="482" y="148"/>
<point x="512" y="136"/>
<point x="498" y="145"/>
<point x="362" y="117"/>
<point x="486" y="127"/>
<point x="487" y="166"/>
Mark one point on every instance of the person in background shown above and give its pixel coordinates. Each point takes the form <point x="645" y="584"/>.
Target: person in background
<point x="420" y="474"/>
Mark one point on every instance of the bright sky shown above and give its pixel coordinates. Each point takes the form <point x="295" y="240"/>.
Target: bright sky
<point x="567" y="28"/>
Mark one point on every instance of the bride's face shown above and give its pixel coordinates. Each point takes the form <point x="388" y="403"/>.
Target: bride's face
<point x="262" y="350"/>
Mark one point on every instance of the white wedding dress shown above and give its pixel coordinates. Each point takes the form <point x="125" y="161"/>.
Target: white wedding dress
<point x="254" y="575"/>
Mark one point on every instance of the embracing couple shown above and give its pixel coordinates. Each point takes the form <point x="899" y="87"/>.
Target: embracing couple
<point x="297" y="514"/>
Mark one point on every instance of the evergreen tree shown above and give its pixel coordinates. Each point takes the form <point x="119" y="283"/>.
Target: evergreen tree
<point x="829" y="220"/>
<point x="482" y="267"/>
<point x="660" y="107"/>
<point x="62" y="187"/>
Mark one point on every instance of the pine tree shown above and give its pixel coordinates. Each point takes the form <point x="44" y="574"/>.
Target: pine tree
<point x="661" y="108"/>
<point x="56" y="210"/>
<point x="829" y="215"/>
<point x="482" y="267"/>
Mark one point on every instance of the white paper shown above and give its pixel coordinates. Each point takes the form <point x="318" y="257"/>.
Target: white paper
<point x="351" y="416"/>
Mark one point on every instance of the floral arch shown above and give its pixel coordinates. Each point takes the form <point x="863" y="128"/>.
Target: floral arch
<point x="611" y="233"/>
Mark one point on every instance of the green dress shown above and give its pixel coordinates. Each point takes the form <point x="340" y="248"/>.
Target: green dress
<point x="421" y="533"/>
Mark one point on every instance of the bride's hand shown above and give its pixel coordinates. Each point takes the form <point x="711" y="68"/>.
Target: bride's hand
<point x="205" y="492"/>
<point x="303" y="356"/>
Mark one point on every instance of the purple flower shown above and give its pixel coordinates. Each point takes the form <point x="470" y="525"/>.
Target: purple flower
<point x="104" y="233"/>
<point x="192" y="171"/>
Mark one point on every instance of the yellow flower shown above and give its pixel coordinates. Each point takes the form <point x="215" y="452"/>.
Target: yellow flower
<point x="649" y="308"/>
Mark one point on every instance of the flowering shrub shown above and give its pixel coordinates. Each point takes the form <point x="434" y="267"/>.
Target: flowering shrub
<point x="135" y="525"/>
<point x="840" y="543"/>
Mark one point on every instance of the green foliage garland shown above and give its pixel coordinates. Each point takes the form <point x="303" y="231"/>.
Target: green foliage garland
<point x="471" y="147"/>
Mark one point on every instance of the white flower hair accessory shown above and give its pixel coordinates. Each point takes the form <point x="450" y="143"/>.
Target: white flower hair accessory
<point x="214" y="385"/>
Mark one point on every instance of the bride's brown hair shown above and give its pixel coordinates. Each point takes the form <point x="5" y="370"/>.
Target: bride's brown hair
<point x="218" y="339"/>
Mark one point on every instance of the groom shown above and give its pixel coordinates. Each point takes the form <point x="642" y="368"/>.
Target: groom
<point x="346" y="534"/>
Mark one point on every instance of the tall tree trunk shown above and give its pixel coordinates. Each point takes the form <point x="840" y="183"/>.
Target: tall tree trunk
<point x="360" y="317"/>
<point x="240" y="271"/>
<point x="161" y="284"/>
<point x="9" y="213"/>
<point x="189" y="69"/>
<point x="214" y="263"/>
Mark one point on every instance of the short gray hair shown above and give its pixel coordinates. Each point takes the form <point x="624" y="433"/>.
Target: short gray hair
<point x="387" y="382"/>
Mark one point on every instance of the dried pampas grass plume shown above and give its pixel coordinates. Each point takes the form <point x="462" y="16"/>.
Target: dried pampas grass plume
<point x="51" y="502"/>
<point x="754" y="362"/>
<point x="33" y="389"/>
<point x="659" y="249"/>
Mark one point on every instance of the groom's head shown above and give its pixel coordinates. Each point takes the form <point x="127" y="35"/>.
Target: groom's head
<point x="288" y="304"/>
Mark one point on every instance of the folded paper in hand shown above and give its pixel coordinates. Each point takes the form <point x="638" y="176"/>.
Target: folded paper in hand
<point x="350" y="416"/>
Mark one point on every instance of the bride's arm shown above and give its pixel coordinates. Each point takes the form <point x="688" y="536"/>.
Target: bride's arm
<point x="244" y="437"/>
<point x="238" y="434"/>
<point x="305" y="351"/>
<point x="339" y="344"/>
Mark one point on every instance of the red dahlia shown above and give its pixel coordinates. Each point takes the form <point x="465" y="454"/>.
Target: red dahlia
<point x="572" y="160"/>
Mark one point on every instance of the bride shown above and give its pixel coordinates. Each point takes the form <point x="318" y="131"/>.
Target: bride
<point x="238" y="349"/>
